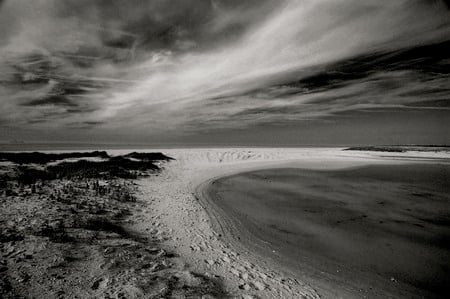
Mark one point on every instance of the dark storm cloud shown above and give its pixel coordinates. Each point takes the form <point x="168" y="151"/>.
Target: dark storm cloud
<point x="194" y="64"/>
<point x="51" y="100"/>
<point x="100" y="28"/>
<point x="430" y="61"/>
<point x="142" y="25"/>
<point x="444" y="103"/>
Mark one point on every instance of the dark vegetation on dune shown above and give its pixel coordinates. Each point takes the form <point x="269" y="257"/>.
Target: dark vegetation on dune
<point x="44" y="158"/>
<point x="376" y="149"/>
<point x="148" y="156"/>
<point x="128" y="166"/>
<point x="400" y="148"/>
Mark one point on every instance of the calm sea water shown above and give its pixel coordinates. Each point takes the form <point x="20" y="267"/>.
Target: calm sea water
<point x="375" y="231"/>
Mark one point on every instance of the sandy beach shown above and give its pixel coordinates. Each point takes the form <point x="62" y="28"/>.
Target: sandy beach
<point x="201" y="235"/>
<point x="224" y="223"/>
<point x="71" y="227"/>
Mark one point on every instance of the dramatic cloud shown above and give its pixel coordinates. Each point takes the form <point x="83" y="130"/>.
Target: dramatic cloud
<point x="193" y="65"/>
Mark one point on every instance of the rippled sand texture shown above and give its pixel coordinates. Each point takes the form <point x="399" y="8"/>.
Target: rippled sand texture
<point x="378" y="230"/>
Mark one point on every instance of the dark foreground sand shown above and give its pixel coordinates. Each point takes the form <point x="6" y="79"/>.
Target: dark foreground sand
<point x="377" y="231"/>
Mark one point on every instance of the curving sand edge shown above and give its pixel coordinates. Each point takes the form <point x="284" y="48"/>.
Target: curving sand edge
<point x="191" y="232"/>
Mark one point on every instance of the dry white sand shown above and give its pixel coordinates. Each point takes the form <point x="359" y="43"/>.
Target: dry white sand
<point x="178" y="214"/>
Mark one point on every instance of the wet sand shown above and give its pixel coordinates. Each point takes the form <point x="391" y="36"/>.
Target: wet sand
<point x="376" y="231"/>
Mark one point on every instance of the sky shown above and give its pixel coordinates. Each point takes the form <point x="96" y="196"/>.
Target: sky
<point x="225" y="72"/>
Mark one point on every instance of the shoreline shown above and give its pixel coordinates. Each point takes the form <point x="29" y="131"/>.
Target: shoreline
<point x="233" y="233"/>
<point x="247" y="231"/>
<point x="194" y="239"/>
<point x="173" y="197"/>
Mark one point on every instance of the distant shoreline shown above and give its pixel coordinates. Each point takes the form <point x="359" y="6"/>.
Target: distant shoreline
<point x="76" y="146"/>
<point x="112" y="146"/>
<point x="400" y="148"/>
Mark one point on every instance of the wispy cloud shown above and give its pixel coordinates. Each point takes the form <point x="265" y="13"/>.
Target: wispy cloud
<point x="191" y="65"/>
